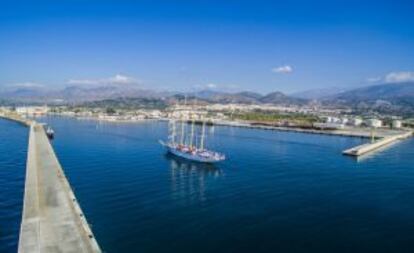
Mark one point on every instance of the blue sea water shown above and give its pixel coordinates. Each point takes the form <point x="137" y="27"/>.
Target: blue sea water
<point x="13" y="149"/>
<point x="276" y="192"/>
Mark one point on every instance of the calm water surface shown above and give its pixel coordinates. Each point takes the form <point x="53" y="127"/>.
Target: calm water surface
<point x="277" y="192"/>
<point x="13" y="150"/>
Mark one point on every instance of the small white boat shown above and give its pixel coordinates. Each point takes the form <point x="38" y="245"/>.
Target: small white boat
<point x="50" y="133"/>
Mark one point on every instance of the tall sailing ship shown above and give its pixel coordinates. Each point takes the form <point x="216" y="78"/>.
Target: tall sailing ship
<point x="185" y="147"/>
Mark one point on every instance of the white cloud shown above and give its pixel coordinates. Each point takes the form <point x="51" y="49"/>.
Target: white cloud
<point x="211" y="85"/>
<point x="215" y="86"/>
<point x="374" y="79"/>
<point x="399" y="77"/>
<point x="121" y="79"/>
<point x="117" y="79"/>
<point x="26" y="85"/>
<point x="82" y="81"/>
<point x="283" y="69"/>
<point x="393" y="77"/>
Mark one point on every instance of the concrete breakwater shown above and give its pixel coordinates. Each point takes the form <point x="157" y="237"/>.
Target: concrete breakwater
<point x="52" y="220"/>
<point x="370" y="147"/>
<point x="17" y="118"/>
<point x="382" y="138"/>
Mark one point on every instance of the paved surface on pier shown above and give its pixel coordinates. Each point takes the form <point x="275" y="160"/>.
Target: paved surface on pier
<point x="52" y="219"/>
<point x="16" y="118"/>
<point x="376" y="145"/>
<point x="347" y="131"/>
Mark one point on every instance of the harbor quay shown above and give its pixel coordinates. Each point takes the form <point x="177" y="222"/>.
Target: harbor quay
<point x="52" y="220"/>
<point x="380" y="138"/>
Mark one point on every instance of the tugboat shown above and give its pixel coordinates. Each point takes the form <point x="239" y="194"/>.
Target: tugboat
<point x="50" y="133"/>
<point x="189" y="151"/>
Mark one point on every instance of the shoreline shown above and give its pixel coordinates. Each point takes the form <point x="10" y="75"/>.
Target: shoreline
<point x="382" y="137"/>
<point x="355" y="132"/>
<point x="347" y="132"/>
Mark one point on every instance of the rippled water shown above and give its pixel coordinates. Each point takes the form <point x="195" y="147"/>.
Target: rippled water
<point x="13" y="148"/>
<point x="277" y="192"/>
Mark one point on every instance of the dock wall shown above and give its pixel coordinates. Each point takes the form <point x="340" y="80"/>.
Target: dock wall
<point x="370" y="147"/>
<point x="52" y="219"/>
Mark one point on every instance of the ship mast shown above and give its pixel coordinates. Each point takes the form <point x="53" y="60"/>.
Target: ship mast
<point x="192" y="130"/>
<point x="192" y="133"/>
<point x="173" y="133"/>
<point x="203" y="130"/>
<point x="182" y="123"/>
<point x="182" y="132"/>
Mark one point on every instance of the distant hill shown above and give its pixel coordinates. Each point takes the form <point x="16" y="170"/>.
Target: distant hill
<point x="214" y="96"/>
<point x="249" y="94"/>
<point x="24" y="93"/>
<point x="121" y="93"/>
<point x="248" y="97"/>
<point x="395" y="98"/>
<point x="241" y="98"/>
<point x="280" y="98"/>
<point x="318" y="94"/>
<point x="76" y="93"/>
<point x="129" y="103"/>
<point x="381" y="91"/>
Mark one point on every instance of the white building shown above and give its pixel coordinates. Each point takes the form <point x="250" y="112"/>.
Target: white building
<point x="329" y="125"/>
<point x="32" y="110"/>
<point x="332" y="120"/>
<point x="355" y="122"/>
<point x="396" y="124"/>
<point x="374" y="123"/>
<point x="344" y="121"/>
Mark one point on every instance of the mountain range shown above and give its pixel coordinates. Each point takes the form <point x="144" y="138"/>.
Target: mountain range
<point x="75" y="93"/>
<point x="79" y="94"/>
<point x="247" y="97"/>
<point x="317" y="94"/>
<point x="395" y="98"/>
<point x="392" y="98"/>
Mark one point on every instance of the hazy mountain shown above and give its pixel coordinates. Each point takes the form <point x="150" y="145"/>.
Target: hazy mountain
<point x="318" y="93"/>
<point x="248" y="97"/>
<point x="241" y="98"/>
<point x="395" y="98"/>
<point x="382" y="91"/>
<point x="26" y="94"/>
<point x="205" y="94"/>
<point x="280" y="98"/>
<point x="76" y="93"/>
<point x="81" y="94"/>
<point x="249" y="94"/>
<point x="129" y="103"/>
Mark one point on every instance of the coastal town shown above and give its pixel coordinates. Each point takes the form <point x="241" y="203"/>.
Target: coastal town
<point x="267" y="115"/>
<point x="382" y="131"/>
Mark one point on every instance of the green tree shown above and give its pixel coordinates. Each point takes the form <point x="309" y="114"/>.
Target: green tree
<point x="110" y="110"/>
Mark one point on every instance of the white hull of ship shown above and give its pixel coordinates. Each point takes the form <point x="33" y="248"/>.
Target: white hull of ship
<point x="190" y="156"/>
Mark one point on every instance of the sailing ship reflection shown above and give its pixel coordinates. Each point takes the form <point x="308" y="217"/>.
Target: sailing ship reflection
<point x="189" y="180"/>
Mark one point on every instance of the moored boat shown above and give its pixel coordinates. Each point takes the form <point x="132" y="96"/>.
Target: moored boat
<point x="50" y="132"/>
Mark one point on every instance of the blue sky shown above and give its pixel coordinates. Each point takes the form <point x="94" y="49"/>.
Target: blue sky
<point x="227" y="45"/>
